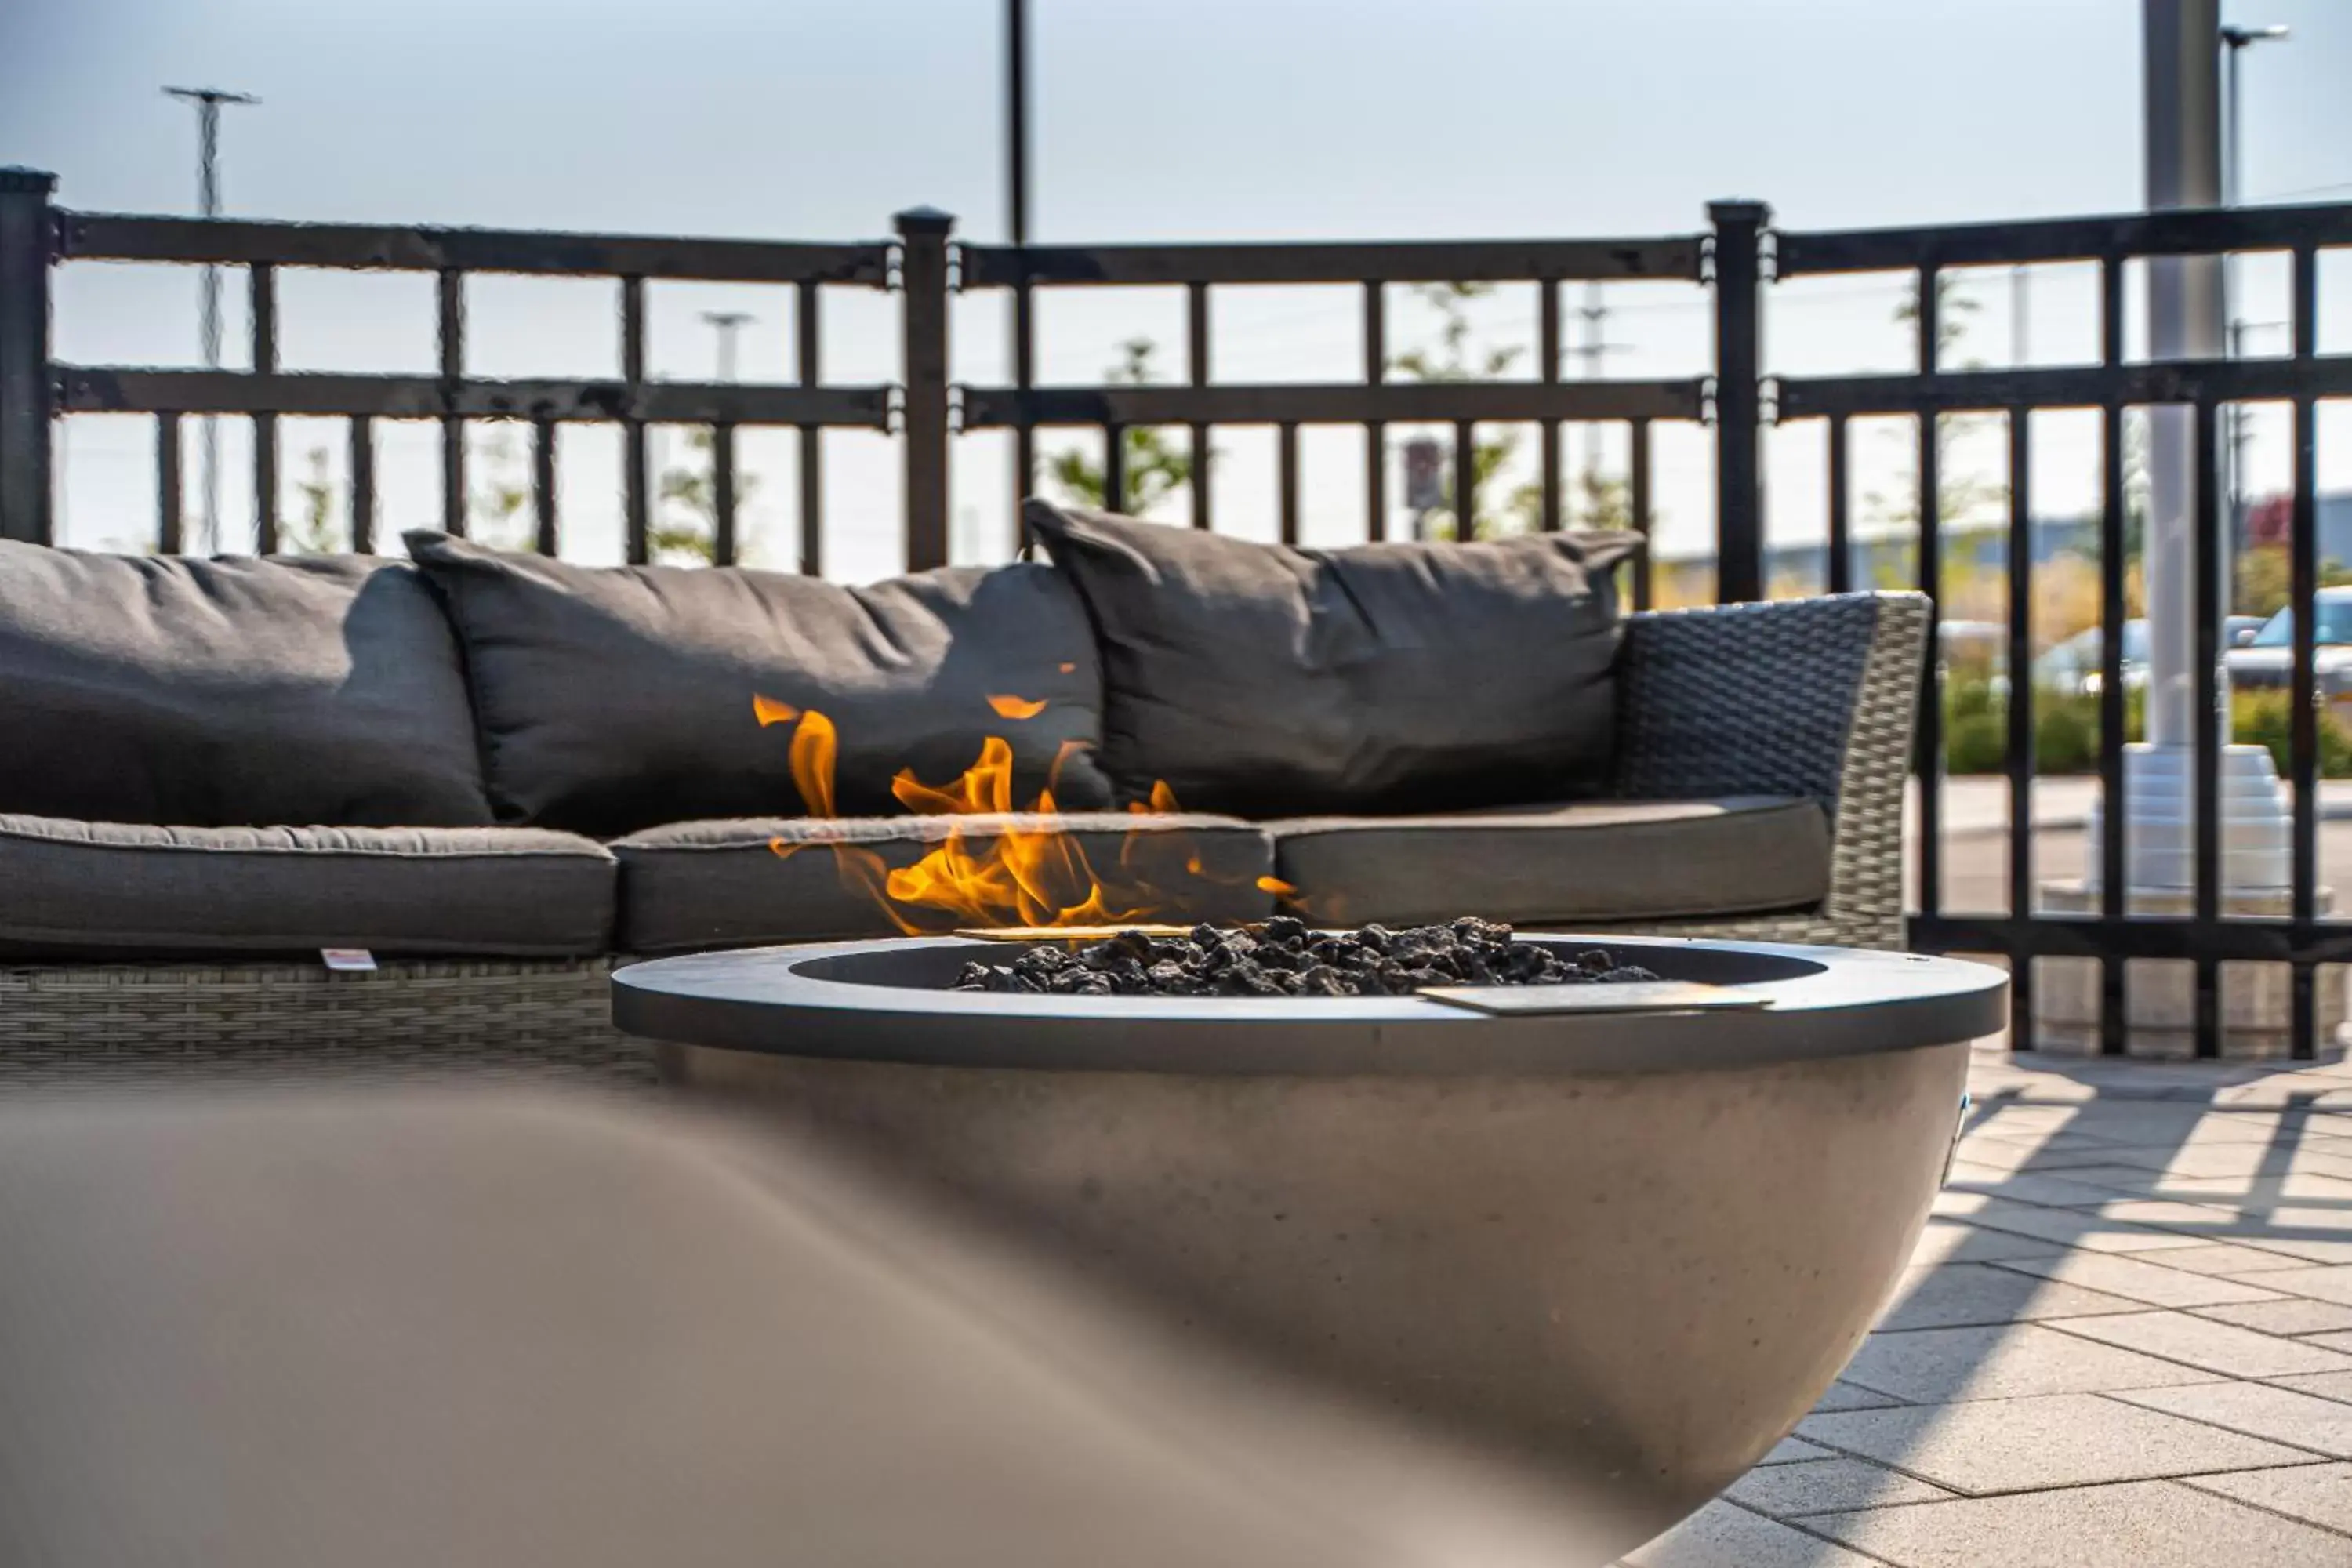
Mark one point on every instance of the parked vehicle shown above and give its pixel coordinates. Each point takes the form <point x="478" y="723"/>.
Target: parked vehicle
<point x="2073" y="666"/>
<point x="2264" y="661"/>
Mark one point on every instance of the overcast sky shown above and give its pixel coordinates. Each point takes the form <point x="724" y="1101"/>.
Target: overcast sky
<point x="1214" y="118"/>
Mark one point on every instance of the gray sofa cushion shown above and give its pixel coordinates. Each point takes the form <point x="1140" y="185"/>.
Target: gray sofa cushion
<point x="1265" y="680"/>
<point x="614" y="698"/>
<point x="121" y="891"/>
<point x="320" y="690"/>
<point x="1593" y="860"/>
<point x="722" y="884"/>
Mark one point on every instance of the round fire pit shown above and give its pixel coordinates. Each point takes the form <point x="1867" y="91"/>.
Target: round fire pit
<point x="1633" y="1245"/>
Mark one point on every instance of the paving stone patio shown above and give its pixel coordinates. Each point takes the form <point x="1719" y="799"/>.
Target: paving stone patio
<point x="2124" y="1338"/>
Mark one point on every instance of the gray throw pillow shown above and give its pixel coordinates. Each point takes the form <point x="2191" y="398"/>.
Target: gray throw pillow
<point x="1262" y="680"/>
<point x="616" y="699"/>
<point x="320" y="690"/>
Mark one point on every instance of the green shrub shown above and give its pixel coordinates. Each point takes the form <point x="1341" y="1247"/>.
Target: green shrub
<point x="2067" y="729"/>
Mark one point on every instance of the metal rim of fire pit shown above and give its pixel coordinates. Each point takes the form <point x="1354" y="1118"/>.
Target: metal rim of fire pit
<point x="887" y="1001"/>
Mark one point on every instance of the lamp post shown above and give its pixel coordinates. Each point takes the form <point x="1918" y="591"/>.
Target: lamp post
<point x="2158" y="813"/>
<point x="2235" y="42"/>
<point x="727" y="324"/>
<point x="208" y="101"/>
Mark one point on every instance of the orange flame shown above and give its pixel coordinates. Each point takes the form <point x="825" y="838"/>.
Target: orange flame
<point x="1016" y="707"/>
<point x="1022" y="870"/>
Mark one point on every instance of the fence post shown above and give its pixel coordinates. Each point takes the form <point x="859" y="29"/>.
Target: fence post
<point x="923" y="278"/>
<point x="26" y="234"/>
<point x="1739" y="362"/>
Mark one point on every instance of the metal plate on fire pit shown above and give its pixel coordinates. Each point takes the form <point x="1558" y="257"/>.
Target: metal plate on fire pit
<point x="1611" y="996"/>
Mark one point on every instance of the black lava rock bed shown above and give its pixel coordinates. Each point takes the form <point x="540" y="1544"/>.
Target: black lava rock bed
<point x="1286" y="957"/>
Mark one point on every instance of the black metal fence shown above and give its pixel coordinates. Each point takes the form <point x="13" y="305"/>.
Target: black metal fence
<point x="1738" y="256"/>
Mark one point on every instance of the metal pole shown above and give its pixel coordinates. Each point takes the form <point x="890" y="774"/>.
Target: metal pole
<point x="1017" y="118"/>
<point x="2184" y="170"/>
<point x="727" y="324"/>
<point x="208" y="101"/>
<point x="923" y="303"/>
<point x="25" y="236"/>
<point x="1739" y="404"/>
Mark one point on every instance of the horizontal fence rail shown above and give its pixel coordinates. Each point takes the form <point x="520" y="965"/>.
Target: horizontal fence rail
<point x="1738" y="257"/>
<point x="1201" y="404"/>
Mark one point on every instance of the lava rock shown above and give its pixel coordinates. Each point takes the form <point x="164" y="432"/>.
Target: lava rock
<point x="1286" y="957"/>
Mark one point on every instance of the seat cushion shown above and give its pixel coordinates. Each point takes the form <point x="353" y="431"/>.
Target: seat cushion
<point x="119" y="891"/>
<point x="725" y="884"/>
<point x="1263" y="681"/>
<point x="1593" y="860"/>
<point x="234" y="692"/>
<point x="616" y="699"/>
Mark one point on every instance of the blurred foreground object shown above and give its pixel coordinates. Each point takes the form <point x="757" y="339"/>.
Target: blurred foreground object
<point x="505" y="1328"/>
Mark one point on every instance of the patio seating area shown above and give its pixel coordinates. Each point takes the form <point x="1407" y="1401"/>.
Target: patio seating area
<point x="2124" y="1338"/>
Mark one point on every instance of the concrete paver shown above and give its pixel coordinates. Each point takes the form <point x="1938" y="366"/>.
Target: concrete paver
<point x="1937" y="1366"/>
<point x="2318" y="1494"/>
<point x="2048" y="1440"/>
<point x="2146" y="1524"/>
<point x="2124" y="1341"/>
<point x="2258" y="1410"/>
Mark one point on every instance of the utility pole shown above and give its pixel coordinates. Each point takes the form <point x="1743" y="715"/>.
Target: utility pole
<point x="727" y="324"/>
<point x="2235" y="42"/>
<point x="1592" y="321"/>
<point x="208" y="101"/>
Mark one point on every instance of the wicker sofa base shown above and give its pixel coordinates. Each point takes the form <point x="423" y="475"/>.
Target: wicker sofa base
<point x="143" y="1023"/>
<point x="116" y="1024"/>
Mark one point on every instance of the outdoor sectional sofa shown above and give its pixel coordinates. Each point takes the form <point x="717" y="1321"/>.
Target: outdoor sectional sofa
<point x="501" y="775"/>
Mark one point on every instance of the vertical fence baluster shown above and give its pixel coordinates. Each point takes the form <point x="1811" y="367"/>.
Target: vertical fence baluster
<point x="1466" y="480"/>
<point x="1113" y="468"/>
<point x="1196" y="373"/>
<point x="168" y="490"/>
<point x="2114" y="1036"/>
<point x="545" y="537"/>
<point x="809" y="317"/>
<point x="2206" y="587"/>
<point x="635" y="483"/>
<point x="923" y="318"/>
<point x="1841" y="562"/>
<point x="262" y="280"/>
<point x="2021" y="728"/>
<point x="1931" y="582"/>
<point x="1376" y="433"/>
<point x="1548" y="342"/>
<point x="362" y="445"/>
<point x="1024" y="375"/>
<point x="453" y="427"/>
<point x="1286" y="462"/>
<point x="1739" y="407"/>
<point x="722" y="494"/>
<point x="2304" y="752"/>
<point x="1637" y="436"/>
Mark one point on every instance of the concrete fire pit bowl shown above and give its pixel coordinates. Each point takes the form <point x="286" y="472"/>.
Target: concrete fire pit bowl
<point x="1633" y="1248"/>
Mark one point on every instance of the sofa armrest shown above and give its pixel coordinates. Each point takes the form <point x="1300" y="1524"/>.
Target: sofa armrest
<point x="1812" y="698"/>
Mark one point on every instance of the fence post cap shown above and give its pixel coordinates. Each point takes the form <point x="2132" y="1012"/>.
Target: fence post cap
<point x="1738" y="209"/>
<point x="16" y="181"/>
<point x="926" y="221"/>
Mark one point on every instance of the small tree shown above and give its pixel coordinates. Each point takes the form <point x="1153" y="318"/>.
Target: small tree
<point x="694" y="537"/>
<point x="1156" y="466"/>
<point x="494" y="498"/>
<point x="311" y="530"/>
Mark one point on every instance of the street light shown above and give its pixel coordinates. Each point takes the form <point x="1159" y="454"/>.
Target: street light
<point x="727" y="324"/>
<point x="208" y="101"/>
<point x="2235" y="42"/>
